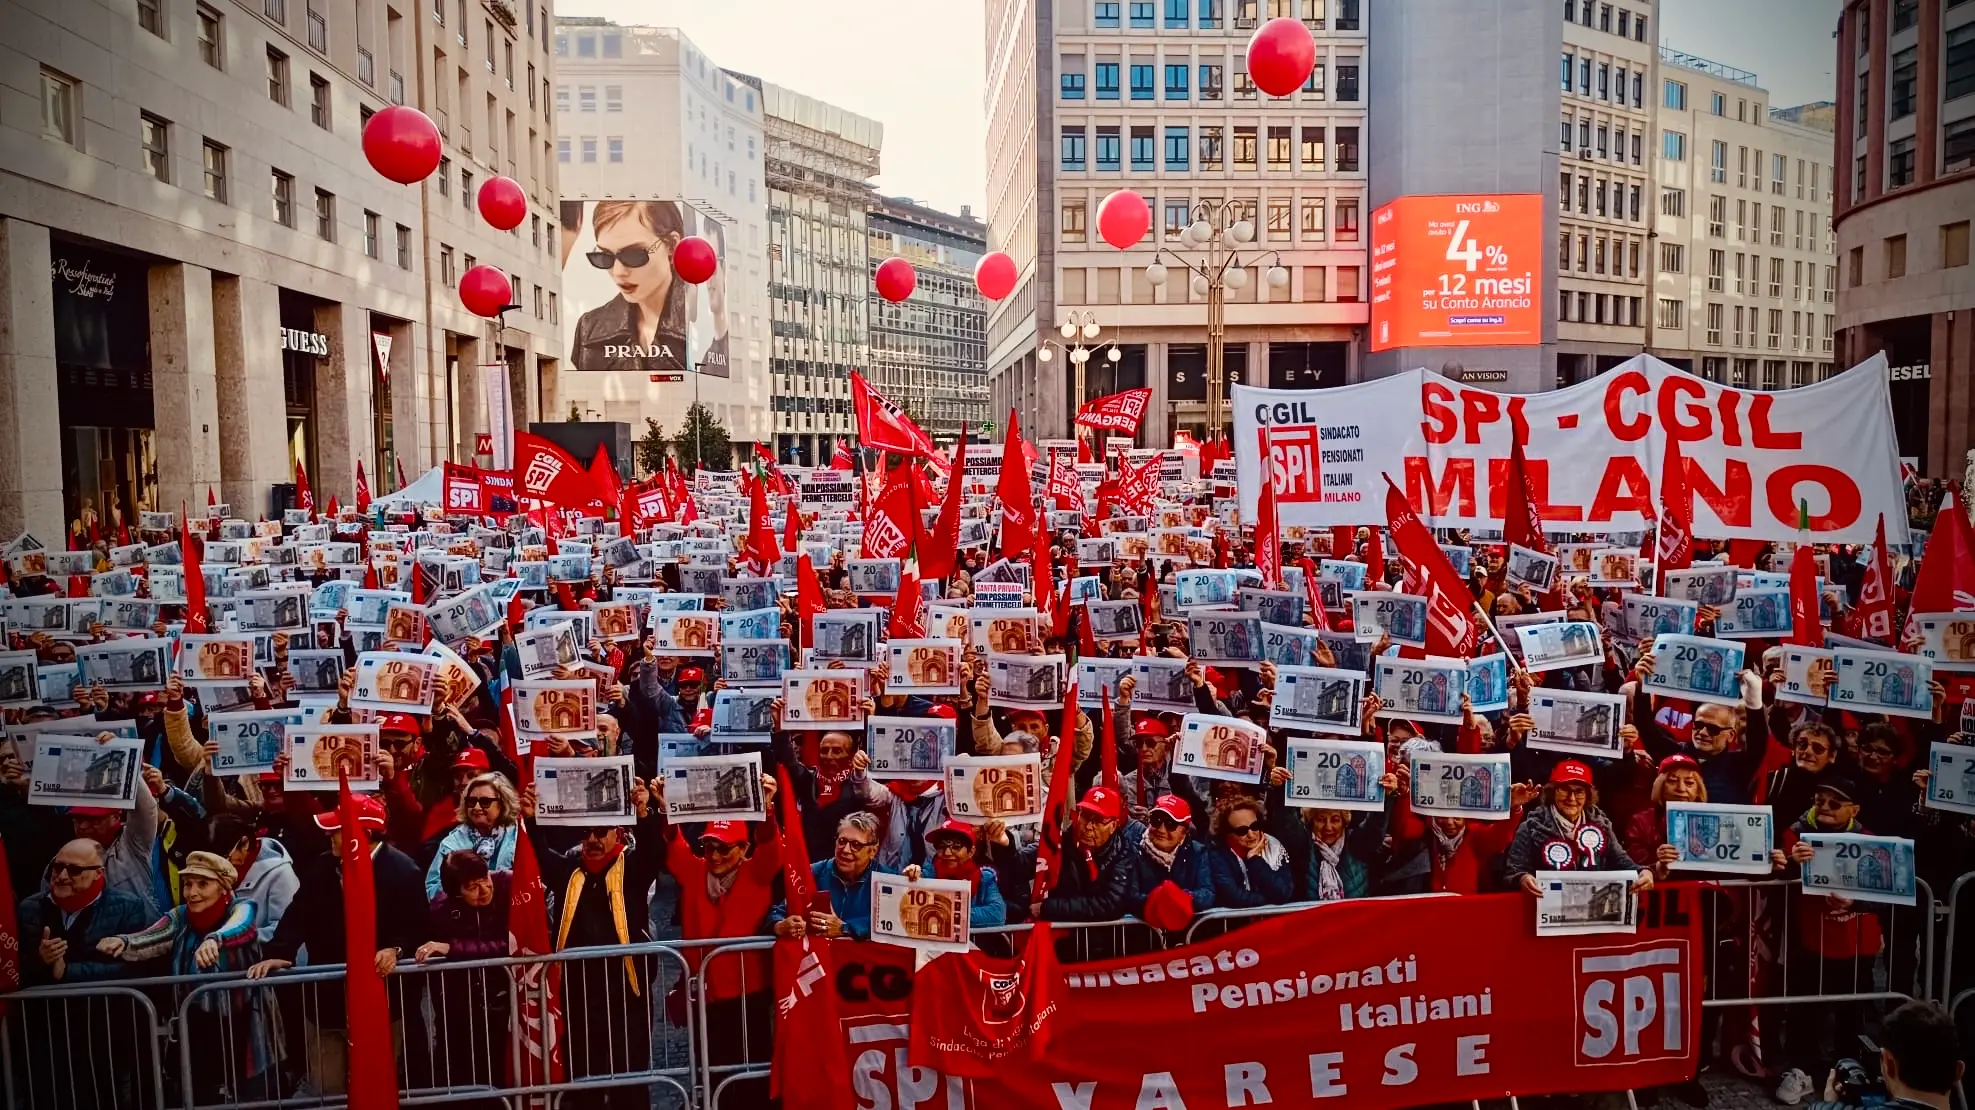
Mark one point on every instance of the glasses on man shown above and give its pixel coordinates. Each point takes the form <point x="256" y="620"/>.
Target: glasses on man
<point x="1708" y="727"/>
<point x="856" y="845"/>
<point x="59" y="869"/>
<point x="632" y="257"/>
<point x="1831" y="801"/>
<point x="709" y="846"/>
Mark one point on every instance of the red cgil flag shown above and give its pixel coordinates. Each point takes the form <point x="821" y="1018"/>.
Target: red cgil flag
<point x="1018" y="508"/>
<point x="1451" y="628"/>
<point x="538" y="986"/>
<point x="1268" y="533"/>
<point x="842" y="458"/>
<point x="1946" y="580"/>
<point x="10" y="933"/>
<point x="1520" y="523"/>
<point x="885" y="425"/>
<point x="809" y="600"/>
<point x="304" y="496"/>
<point x="892" y="519"/>
<point x="809" y="1071"/>
<point x="195" y="578"/>
<point x="1675" y="547"/>
<point x="373" y="1078"/>
<point x="363" y="489"/>
<point x="1121" y="412"/>
<point x="938" y="563"/>
<point x="545" y="472"/>
<point x="1873" y="614"/>
<point x="1806" y="608"/>
<point x="1314" y="593"/>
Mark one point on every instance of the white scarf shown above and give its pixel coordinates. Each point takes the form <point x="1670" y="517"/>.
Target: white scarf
<point x="1152" y="852"/>
<point x="1330" y="884"/>
<point x="1273" y="854"/>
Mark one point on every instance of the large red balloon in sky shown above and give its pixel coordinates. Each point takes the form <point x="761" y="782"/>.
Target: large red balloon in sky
<point x="1281" y="56"/>
<point x="995" y="275"/>
<point x="402" y="144"/>
<point x="485" y="291"/>
<point x="502" y="203"/>
<point x="896" y="279"/>
<point x="693" y="260"/>
<point x="1123" y="218"/>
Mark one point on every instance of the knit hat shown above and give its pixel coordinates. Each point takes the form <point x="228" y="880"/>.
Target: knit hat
<point x="1168" y="907"/>
<point x="215" y="867"/>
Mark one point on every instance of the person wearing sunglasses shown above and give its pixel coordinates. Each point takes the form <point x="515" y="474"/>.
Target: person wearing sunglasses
<point x="1170" y="878"/>
<point x="952" y="846"/>
<point x="1728" y="770"/>
<point x="643" y="328"/>
<point x="1566" y="831"/>
<point x="1250" y="867"/>
<point x="61" y="926"/>
<point x="1813" y="757"/>
<point x="488" y="810"/>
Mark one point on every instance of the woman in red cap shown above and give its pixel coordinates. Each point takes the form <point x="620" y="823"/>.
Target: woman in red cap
<point x="953" y="858"/>
<point x="1170" y="878"/>
<point x="1568" y="832"/>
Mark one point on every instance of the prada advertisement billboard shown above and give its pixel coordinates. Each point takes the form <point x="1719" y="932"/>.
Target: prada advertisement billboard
<point x="625" y="308"/>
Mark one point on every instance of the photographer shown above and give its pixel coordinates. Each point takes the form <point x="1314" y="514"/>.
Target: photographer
<point x="1918" y="1059"/>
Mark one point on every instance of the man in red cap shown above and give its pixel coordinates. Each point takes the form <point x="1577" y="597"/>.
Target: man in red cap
<point x="1151" y="778"/>
<point x="1094" y="872"/>
<point x="952" y="846"/>
<point x="315" y="920"/>
<point x="1170" y="879"/>
<point x="1566" y="831"/>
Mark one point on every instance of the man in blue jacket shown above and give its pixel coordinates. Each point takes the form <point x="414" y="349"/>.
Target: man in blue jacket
<point x="1167" y="854"/>
<point x="845" y="879"/>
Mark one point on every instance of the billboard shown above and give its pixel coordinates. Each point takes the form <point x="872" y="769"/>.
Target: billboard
<point x="625" y="308"/>
<point x="1458" y="271"/>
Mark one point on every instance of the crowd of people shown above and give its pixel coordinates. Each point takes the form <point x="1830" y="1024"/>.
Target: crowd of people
<point x="208" y="872"/>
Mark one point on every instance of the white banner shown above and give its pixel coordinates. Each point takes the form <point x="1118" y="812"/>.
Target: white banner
<point x="1595" y="451"/>
<point x="500" y="412"/>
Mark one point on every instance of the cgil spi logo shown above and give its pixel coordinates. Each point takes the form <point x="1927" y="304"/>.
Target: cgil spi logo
<point x="1633" y="1003"/>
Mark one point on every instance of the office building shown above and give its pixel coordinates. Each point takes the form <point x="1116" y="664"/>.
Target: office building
<point x="191" y="242"/>
<point x="1086" y="97"/>
<point x="818" y="164"/>
<point x="1742" y="266"/>
<point x="647" y="117"/>
<point x="928" y="352"/>
<point x="1905" y="154"/>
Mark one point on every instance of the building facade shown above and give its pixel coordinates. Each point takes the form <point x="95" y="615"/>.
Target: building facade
<point x="928" y="352"/>
<point x="647" y="116"/>
<point x="1742" y="266"/>
<point x="1086" y="97"/>
<point x="1905" y="153"/>
<point x="818" y="163"/>
<point x="191" y="241"/>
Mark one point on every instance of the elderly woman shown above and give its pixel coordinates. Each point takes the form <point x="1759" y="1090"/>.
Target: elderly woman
<point x="953" y="858"/>
<point x="488" y="810"/>
<point x="1170" y="878"/>
<point x="211" y="931"/>
<point x="469" y="922"/>
<point x="1250" y="867"/>
<point x="842" y="905"/>
<point x="1568" y="832"/>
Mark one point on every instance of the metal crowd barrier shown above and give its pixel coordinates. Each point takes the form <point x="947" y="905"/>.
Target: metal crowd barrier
<point x="695" y="1031"/>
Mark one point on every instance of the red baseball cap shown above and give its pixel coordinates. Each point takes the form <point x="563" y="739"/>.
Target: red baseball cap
<point x="1570" y="770"/>
<point x="1173" y="806"/>
<point x="370" y="815"/>
<point x="1104" y="802"/>
<point x="472" y="758"/>
<point x="946" y="711"/>
<point x="1678" y="760"/>
<point x="953" y="828"/>
<point x="1145" y="724"/>
<point x="400" y="722"/>
<point x="692" y="674"/>
<point x="92" y="811"/>
<point x="726" y="832"/>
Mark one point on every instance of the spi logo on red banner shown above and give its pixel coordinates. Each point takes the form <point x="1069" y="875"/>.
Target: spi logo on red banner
<point x="1633" y="1003"/>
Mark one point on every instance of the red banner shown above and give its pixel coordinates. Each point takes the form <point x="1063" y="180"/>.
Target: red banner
<point x="497" y="490"/>
<point x="545" y="472"/>
<point x="1377" y="1003"/>
<point x="464" y="493"/>
<point x="1116" y="412"/>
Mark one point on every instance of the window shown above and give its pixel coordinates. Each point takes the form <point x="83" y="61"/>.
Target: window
<point x="1605" y="18"/>
<point x="1669" y="313"/>
<point x="1717" y="104"/>
<point x="613" y="46"/>
<point x="1142" y="156"/>
<point x="1637" y="145"/>
<point x="1141" y="81"/>
<point x="1673" y="258"/>
<point x="58" y="106"/>
<point x="1584" y="196"/>
<point x="1107" y="80"/>
<point x="1618" y="85"/>
<point x="1280" y="221"/>
<point x="1718" y="162"/>
<point x="1176" y="13"/>
<point x="276" y="10"/>
<point x="404" y="247"/>
<point x="372" y="223"/>
<point x="212" y="46"/>
<point x="1073" y="221"/>
<point x="318" y="30"/>
<point x="1244" y="148"/>
<point x="1347" y="81"/>
<point x="1177" y="218"/>
<point x="562" y="149"/>
<point x="589" y="149"/>
<point x="1569" y="63"/>
<point x="1714" y="325"/>
<point x="1178" y="152"/>
<point x="1776" y="225"/>
<point x="154" y="137"/>
<point x="1584" y="77"/>
<point x="1073" y="148"/>
<point x="1676" y="96"/>
<point x="318" y="101"/>
<point x="1347" y="15"/>
<point x="1905" y="14"/>
<point x="1717" y="264"/>
<point x="1211" y="155"/>
<point x="1313" y="219"/>
<point x="214" y="156"/>
<point x="1347" y="149"/>
<point x="1899" y="162"/>
<point x="613" y="98"/>
<point x="562" y="99"/>
<point x="1895" y="256"/>
<point x="1779" y="170"/>
<point x="1347" y="220"/>
<point x="1774" y="341"/>
<point x="1954" y="244"/>
<point x="1210" y="15"/>
<point x="1604" y="81"/>
<point x="1347" y="281"/>
<point x="1673" y="146"/>
<point x="466" y="195"/>
<point x="1278" y="148"/>
<point x="1673" y="202"/>
<point x="1905" y="71"/>
<point x="587" y="96"/>
<point x="1071" y="82"/>
<point x="1141" y="13"/>
<point x="1598" y="198"/>
<point x="150" y="17"/>
<point x="1960" y="72"/>
<point x="1313" y="148"/>
<point x="1176" y="80"/>
<point x="1110" y="148"/>
<point x="1855" y="267"/>
<point x="1210" y="80"/>
<point x="1632" y="202"/>
<point x="277" y="76"/>
<point x="282" y="195"/>
<point x="1717" y="217"/>
<point x="614" y="150"/>
<point x="1776" y="279"/>
<point x="1604" y="142"/>
<point x="446" y="265"/>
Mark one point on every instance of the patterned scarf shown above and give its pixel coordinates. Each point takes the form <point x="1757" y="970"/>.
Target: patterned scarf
<point x="1330" y="883"/>
<point x="1152" y="852"/>
<point x="1444" y="846"/>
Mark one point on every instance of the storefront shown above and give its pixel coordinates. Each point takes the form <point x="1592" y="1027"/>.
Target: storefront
<point x="103" y="367"/>
<point x="385" y="458"/>
<point x="302" y="349"/>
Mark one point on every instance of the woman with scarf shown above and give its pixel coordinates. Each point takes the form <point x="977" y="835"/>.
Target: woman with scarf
<point x="211" y="931"/>
<point x="953" y="858"/>
<point x="1568" y="832"/>
<point x="488" y="809"/>
<point x="1170" y="879"/>
<point x="469" y="922"/>
<point x="1249" y="867"/>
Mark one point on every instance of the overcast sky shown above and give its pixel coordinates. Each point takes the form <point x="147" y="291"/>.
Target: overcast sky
<point x="917" y="65"/>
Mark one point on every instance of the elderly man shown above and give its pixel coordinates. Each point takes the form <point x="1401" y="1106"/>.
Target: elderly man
<point x="1095" y="872"/>
<point x="842" y="906"/>
<point x="133" y="861"/>
<point x="837" y="788"/>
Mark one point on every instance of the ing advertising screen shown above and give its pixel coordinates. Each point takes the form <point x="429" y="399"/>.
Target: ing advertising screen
<point x="625" y="308"/>
<point x="1458" y="271"/>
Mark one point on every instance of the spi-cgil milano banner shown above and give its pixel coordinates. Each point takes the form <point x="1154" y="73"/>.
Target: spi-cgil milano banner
<point x="1375" y="1003"/>
<point x="1595" y="452"/>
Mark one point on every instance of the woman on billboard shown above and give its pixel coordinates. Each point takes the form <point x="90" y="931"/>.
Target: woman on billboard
<point x="643" y="328"/>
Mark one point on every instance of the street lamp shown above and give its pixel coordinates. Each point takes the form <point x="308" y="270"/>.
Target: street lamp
<point x="1216" y="238"/>
<point x="1081" y="330"/>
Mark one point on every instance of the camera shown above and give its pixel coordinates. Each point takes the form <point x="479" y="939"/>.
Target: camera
<point x="1858" y="1081"/>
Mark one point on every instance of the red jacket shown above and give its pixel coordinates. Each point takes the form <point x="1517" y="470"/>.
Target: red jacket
<point x="1465" y="871"/>
<point x="1824" y="928"/>
<point x="739" y="914"/>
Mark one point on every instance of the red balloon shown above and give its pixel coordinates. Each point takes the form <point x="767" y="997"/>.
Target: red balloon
<point x="485" y="291"/>
<point x="1281" y="56"/>
<point x="502" y="203"/>
<point x="995" y="275"/>
<point x="1123" y="218"/>
<point x="896" y="279"/>
<point x="402" y="144"/>
<point x="693" y="260"/>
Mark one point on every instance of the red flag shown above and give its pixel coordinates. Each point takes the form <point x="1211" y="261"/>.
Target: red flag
<point x="776" y="480"/>
<point x="1056" y="807"/>
<point x="1946" y="580"/>
<point x="210" y="499"/>
<point x="123" y="530"/>
<point x="1806" y="614"/>
<point x="1343" y="540"/>
<point x="809" y="1071"/>
<point x="1118" y="412"/>
<point x="1520" y="524"/>
<point x="883" y="424"/>
<point x="363" y="490"/>
<point x="604" y="477"/>
<point x="1675" y="549"/>
<point x="1742" y="553"/>
<point x="1042" y="570"/>
<point x="373" y="1078"/>
<point x="809" y="599"/>
<point x="1375" y="558"/>
<point x="195" y="578"/>
<point x="908" y="609"/>
<point x="1083" y="450"/>
<point x="1136" y="485"/>
<point x="937" y="564"/>
<point x="1018" y="508"/>
<point x="334" y="508"/>
<point x="792" y="529"/>
<point x="370" y="579"/>
<point x="400" y="460"/>
<point x="1313" y="593"/>
<point x="1268" y="536"/>
<point x="545" y="472"/>
<point x="762" y="552"/>
<point x="1874" y="612"/>
<point x="304" y="497"/>
<point x="893" y="517"/>
<point x="538" y="985"/>
<point x="1451" y="628"/>
<point x="10" y="932"/>
<point x="842" y="458"/>
<point x="1108" y="742"/>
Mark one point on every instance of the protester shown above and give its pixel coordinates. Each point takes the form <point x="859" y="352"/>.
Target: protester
<point x="953" y="858"/>
<point x="488" y="810"/>
<point x="1095" y="873"/>
<point x="842" y="907"/>
<point x="1568" y="832"/>
<point x="1249" y="866"/>
<point x="1170" y="880"/>
<point x="267" y="872"/>
<point x="469" y="922"/>
<point x="63" y="926"/>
